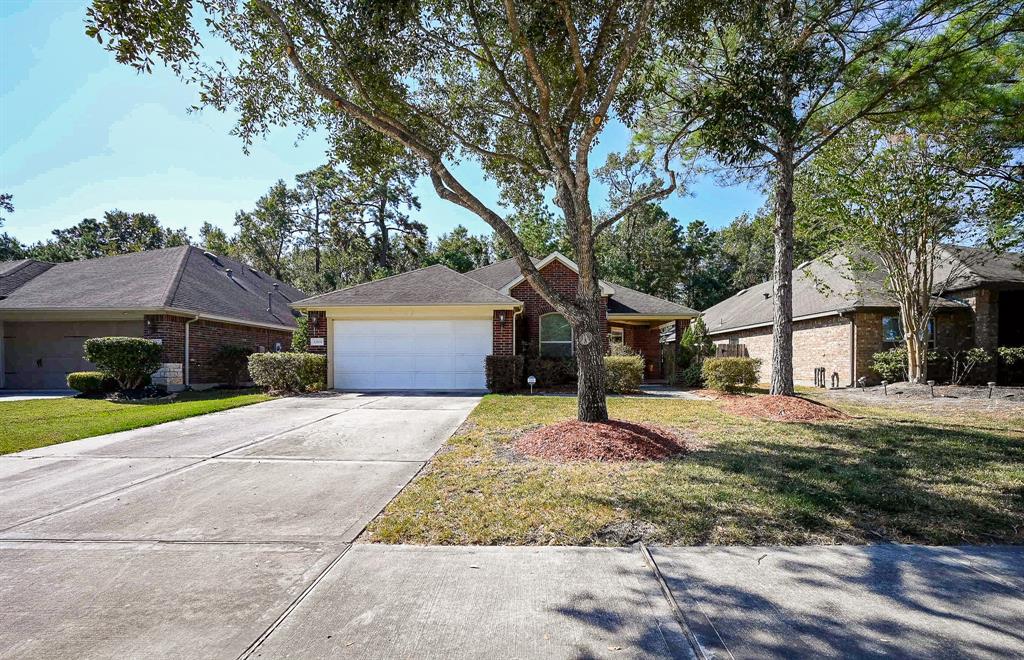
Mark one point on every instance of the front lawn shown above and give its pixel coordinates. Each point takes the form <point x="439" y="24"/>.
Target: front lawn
<point x="885" y="475"/>
<point x="42" y="422"/>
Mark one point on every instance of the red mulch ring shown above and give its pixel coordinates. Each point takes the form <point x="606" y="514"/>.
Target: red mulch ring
<point x="780" y="408"/>
<point x="614" y="440"/>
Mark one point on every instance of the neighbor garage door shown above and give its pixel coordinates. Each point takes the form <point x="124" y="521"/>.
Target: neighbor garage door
<point x="38" y="355"/>
<point x="415" y="355"/>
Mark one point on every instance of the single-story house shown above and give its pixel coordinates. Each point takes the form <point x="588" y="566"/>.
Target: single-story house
<point x="841" y="319"/>
<point x="432" y="328"/>
<point x="190" y="301"/>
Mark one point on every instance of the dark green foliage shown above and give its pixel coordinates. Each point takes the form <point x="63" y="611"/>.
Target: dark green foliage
<point x="692" y="349"/>
<point x="550" y="372"/>
<point x="642" y="252"/>
<point x="128" y="360"/>
<point x="460" y="251"/>
<point x="230" y="362"/>
<point x="624" y="373"/>
<point x="91" y="382"/>
<point x="504" y="372"/>
<point x="890" y="365"/>
<point x="730" y="374"/>
<point x="300" y="338"/>
<point x="288" y="372"/>
<point x="119" y="232"/>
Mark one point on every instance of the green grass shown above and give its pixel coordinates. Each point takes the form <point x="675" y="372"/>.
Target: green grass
<point x="42" y="422"/>
<point x="882" y="476"/>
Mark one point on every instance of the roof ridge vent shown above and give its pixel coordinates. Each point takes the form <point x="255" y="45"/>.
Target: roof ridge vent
<point x="741" y="292"/>
<point x="229" y="273"/>
<point x="803" y="265"/>
<point x="212" y="257"/>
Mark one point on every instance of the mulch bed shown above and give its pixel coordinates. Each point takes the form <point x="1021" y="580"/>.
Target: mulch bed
<point x="614" y="440"/>
<point x="780" y="408"/>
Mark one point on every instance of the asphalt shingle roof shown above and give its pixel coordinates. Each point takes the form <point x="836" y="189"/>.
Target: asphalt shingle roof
<point x="973" y="266"/>
<point x="825" y="285"/>
<point x="181" y="278"/>
<point x="14" y="274"/>
<point x="433" y="285"/>
<point x="623" y="301"/>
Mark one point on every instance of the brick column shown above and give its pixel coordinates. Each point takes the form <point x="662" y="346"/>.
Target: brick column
<point x="501" y="329"/>
<point x="316" y="326"/>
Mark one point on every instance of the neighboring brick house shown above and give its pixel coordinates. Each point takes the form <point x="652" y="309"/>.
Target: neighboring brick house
<point x="432" y="328"/>
<point x="190" y="301"/>
<point x="840" y="320"/>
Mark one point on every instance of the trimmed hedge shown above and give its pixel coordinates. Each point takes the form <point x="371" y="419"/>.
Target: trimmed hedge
<point x="623" y="373"/>
<point x="231" y="362"/>
<point x="91" y="382"/>
<point x="128" y="360"/>
<point x="729" y="374"/>
<point x="890" y="365"/>
<point x="288" y="372"/>
<point x="504" y="372"/>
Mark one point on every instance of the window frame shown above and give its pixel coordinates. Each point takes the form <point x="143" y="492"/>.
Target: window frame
<point x="616" y="335"/>
<point x="899" y="329"/>
<point x="541" y="341"/>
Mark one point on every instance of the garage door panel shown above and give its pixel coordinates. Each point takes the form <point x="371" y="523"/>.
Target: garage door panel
<point x="472" y="363"/>
<point x="40" y="354"/>
<point x="394" y="363"/>
<point x="348" y="362"/>
<point x="470" y="381"/>
<point x="409" y="354"/>
<point x="434" y="381"/>
<point x="357" y="344"/>
<point x="434" y="363"/>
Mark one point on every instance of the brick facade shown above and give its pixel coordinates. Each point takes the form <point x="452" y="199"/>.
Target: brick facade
<point x="827" y="342"/>
<point x="205" y="338"/>
<point x="647" y="341"/>
<point x="564" y="280"/>
<point x="502" y="325"/>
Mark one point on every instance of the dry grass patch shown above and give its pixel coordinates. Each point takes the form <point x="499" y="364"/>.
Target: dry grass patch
<point x="879" y="476"/>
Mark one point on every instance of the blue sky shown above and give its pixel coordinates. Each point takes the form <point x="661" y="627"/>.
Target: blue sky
<point x="81" y="134"/>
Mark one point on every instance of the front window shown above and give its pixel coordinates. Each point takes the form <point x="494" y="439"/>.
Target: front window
<point x="616" y="335"/>
<point x="892" y="330"/>
<point x="555" y="336"/>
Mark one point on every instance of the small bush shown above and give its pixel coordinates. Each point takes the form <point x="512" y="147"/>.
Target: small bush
<point x="288" y="372"/>
<point x="91" y="382"/>
<point x="300" y="338"/>
<point x="624" y="373"/>
<point x="550" y="372"/>
<point x="890" y="365"/>
<point x="691" y="376"/>
<point x="1011" y="355"/>
<point x="128" y="360"/>
<point x="504" y="372"/>
<point x="621" y="350"/>
<point x="231" y="362"/>
<point x="729" y="374"/>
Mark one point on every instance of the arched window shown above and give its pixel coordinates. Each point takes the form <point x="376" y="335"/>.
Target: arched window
<point x="555" y="336"/>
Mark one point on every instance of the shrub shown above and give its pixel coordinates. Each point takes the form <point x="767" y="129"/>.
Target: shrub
<point x="621" y="350"/>
<point x="728" y="374"/>
<point x="288" y="372"/>
<point x="890" y="365"/>
<point x="624" y="373"/>
<point x="128" y="360"/>
<point x="504" y="372"/>
<point x="230" y="361"/>
<point x="300" y="338"/>
<point x="91" y="382"/>
<point x="690" y="376"/>
<point x="691" y="350"/>
<point x="1011" y="355"/>
<point x="550" y="372"/>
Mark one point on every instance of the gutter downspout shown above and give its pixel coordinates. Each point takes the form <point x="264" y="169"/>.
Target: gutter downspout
<point x="514" y="315"/>
<point x="186" y="379"/>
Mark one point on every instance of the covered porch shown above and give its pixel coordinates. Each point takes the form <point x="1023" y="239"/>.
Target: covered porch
<point x="644" y="334"/>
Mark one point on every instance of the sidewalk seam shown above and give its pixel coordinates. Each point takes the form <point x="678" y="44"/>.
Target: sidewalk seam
<point x="677" y="611"/>
<point x="252" y="648"/>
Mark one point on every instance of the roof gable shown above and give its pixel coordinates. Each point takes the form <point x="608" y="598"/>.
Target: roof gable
<point x="176" y="279"/>
<point x="433" y="285"/>
<point x="606" y="289"/>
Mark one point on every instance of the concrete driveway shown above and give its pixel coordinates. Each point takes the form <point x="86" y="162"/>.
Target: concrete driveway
<point x="190" y="538"/>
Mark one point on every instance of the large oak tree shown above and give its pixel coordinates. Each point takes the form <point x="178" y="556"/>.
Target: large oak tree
<point x="522" y="89"/>
<point x="775" y="81"/>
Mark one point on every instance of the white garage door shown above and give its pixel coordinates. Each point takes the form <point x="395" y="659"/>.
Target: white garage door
<point x="415" y="355"/>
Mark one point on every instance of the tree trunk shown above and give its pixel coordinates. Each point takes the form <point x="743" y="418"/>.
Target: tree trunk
<point x="917" y="359"/>
<point x="782" y="275"/>
<point x="590" y="380"/>
<point x="384" y="240"/>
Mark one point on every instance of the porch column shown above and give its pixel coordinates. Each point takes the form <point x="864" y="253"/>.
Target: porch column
<point x="501" y="329"/>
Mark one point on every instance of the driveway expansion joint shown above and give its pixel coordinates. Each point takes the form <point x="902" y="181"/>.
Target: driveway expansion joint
<point x="673" y="604"/>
